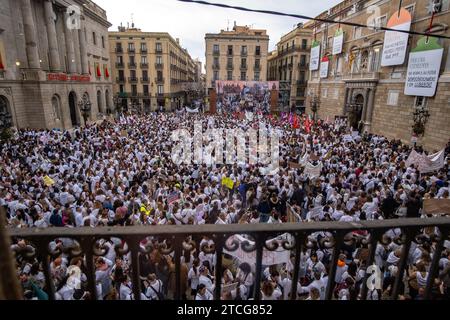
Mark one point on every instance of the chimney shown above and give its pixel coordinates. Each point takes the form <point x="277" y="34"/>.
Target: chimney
<point x="178" y="40"/>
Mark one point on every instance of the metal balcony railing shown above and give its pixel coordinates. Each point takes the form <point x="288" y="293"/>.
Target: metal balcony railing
<point x="159" y="65"/>
<point x="159" y="80"/>
<point x="216" y="66"/>
<point x="159" y="50"/>
<point x="132" y="65"/>
<point x="179" y="240"/>
<point x="131" y="50"/>
<point x="144" y="65"/>
<point x="120" y="65"/>
<point x="145" y="79"/>
<point x="119" y="50"/>
<point x="132" y="79"/>
<point x="144" y="50"/>
<point x="121" y="80"/>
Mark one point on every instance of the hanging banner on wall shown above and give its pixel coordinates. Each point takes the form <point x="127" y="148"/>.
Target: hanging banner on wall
<point x="324" y="64"/>
<point x="396" y="43"/>
<point x="315" y="56"/>
<point x="423" y="68"/>
<point x="338" y="41"/>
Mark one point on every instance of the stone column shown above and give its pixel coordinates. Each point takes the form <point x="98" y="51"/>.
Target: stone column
<point x="29" y="29"/>
<point x="70" y="50"/>
<point x="345" y="100"/>
<point x="55" y="63"/>
<point x="370" y="106"/>
<point x="83" y="50"/>
<point x="76" y="44"/>
<point x="366" y="98"/>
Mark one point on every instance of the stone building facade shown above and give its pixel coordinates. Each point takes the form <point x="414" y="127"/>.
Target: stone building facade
<point x="288" y="64"/>
<point x="149" y="68"/>
<point x="52" y="54"/>
<point x="371" y="96"/>
<point x="239" y="54"/>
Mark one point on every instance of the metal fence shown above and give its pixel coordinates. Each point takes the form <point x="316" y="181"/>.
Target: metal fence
<point x="177" y="239"/>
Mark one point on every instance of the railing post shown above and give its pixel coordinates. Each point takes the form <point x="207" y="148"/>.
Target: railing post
<point x="9" y="284"/>
<point x="259" y="241"/>
<point x="299" y="238"/>
<point x="44" y="257"/>
<point x="133" y="244"/>
<point x="434" y="269"/>
<point x="178" y="240"/>
<point x="87" y="246"/>
<point x="402" y="263"/>
<point x="219" y="242"/>
<point x="334" y="258"/>
<point x="373" y="248"/>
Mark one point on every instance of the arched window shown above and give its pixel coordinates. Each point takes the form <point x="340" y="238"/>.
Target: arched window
<point x="375" y="62"/>
<point x="56" y="105"/>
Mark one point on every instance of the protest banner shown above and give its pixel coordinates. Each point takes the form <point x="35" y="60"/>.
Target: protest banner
<point x="228" y="182"/>
<point x="312" y="171"/>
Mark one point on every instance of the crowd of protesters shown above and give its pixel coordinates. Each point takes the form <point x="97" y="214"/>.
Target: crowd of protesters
<point x="120" y="173"/>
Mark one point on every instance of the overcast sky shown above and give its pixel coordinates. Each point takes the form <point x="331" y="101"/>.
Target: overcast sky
<point x="190" y="22"/>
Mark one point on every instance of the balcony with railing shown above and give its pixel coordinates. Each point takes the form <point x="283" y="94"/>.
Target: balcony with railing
<point x="159" y="80"/>
<point x="131" y="50"/>
<point x="133" y="80"/>
<point x="145" y="79"/>
<point x="144" y="51"/>
<point x="361" y="76"/>
<point x="120" y="65"/>
<point x="258" y="241"/>
<point x="257" y="67"/>
<point x="216" y="66"/>
<point x="121" y="80"/>
<point x="159" y="65"/>
<point x="119" y="50"/>
<point x="144" y="65"/>
<point x="216" y="52"/>
<point x="159" y="50"/>
<point x="243" y="66"/>
<point x="132" y="65"/>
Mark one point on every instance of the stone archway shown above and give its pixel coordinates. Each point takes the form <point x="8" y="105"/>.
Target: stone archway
<point x="73" y="109"/>
<point x="356" y="113"/>
<point x="4" y="107"/>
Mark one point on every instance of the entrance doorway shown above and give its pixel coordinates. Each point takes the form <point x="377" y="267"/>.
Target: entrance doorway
<point x="356" y="113"/>
<point x="73" y="108"/>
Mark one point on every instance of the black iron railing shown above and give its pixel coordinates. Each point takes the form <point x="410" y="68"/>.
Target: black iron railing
<point x="176" y="240"/>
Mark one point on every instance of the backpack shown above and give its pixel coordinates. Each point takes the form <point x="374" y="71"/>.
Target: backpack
<point x="159" y="294"/>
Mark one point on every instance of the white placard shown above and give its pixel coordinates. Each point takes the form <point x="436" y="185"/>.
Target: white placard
<point x="423" y="73"/>
<point x="324" y="69"/>
<point x="315" y="58"/>
<point x="395" y="45"/>
<point x="338" y="43"/>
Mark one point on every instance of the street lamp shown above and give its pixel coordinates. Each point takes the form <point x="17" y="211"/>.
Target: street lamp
<point x="315" y="106"/>
<point x="85" y="108"/>
<point x="420" y="119"/>
<point x="118" y="104"/>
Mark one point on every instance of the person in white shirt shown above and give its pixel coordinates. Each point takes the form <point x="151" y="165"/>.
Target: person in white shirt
<point x="193" y="276"/>
<point x="318" y="283"/>
<point x="203" y="293"/>
<point x="154" y="288"/>
<point x="206" y="279"/>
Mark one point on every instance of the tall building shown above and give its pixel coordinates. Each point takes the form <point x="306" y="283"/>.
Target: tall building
<point x="53" y="53"/>
<point x="239" y="54"/>
<point x="149" y="68"/>
<point x="371" y="96"/>
<point x="288" y="64"/>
